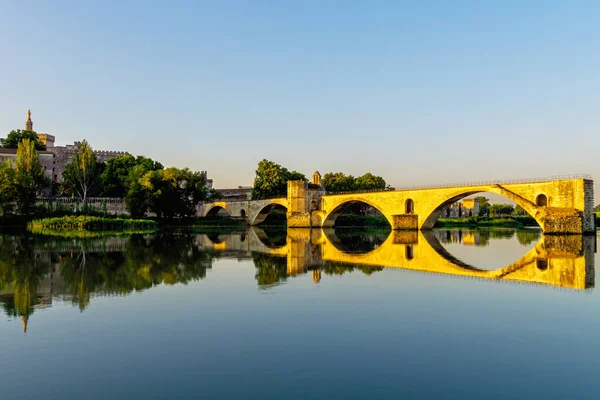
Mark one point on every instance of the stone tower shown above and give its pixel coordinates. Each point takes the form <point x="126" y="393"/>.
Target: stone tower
<point x="28" y="122"/>
<point x="316" y="178"/>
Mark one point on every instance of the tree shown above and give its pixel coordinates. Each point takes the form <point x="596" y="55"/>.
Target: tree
<point x="519" y="210"/>
<point x="174" y="192"/>
<point x="7" y="186"/>
<point x="30" y="177"/>
<point x="369" y="181"/>
<point x="337" y="182"/>
<point x="484" y="205"/>
<point x="501" y="209"/>
<point x="271" y="180"/>
<point x="135" y="199"/>
<point x="15" y="137"/>
<point x="81" y="175"/>
<point x="114" y="180"/>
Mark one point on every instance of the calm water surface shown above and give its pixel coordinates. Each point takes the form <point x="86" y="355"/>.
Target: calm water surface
<point x="300" y="314"/>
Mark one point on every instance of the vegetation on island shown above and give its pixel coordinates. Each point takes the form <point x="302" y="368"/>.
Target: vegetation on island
<point x="90" y="223"/>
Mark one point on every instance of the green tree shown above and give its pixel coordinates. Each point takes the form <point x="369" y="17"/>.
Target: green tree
<point x="7" y="186"/>
<point x="519" y="210"/>
<point x="115" y="178"/>
<point x="501" y="209"/>
<point x="30" y="177"/>
<point x="15" y="137"/>
<point x="337" y="182"/>
<point x="81" y="175"/>
<point x="136" y="199"/>
<point x="271" y="180"/>
<point x="484" y="205"/>
<point x="174" y="192"/>
<point x="369" y="181"/>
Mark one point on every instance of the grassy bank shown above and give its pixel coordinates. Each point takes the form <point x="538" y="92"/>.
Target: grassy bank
<point x="88" y="234"/>
<point x="91" y="224"/>
<point x="516" y="221"/>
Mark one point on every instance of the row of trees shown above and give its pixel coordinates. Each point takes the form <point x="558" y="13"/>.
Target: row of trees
<point x="339" y="182"/>
<point x="144" y="183"/>
<point x="271" y="181"/>
<point x="492" y="210"/>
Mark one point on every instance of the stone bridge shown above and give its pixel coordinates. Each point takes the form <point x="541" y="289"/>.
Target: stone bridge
<point x="561" y="205"/>
<point x="561" y="261"/>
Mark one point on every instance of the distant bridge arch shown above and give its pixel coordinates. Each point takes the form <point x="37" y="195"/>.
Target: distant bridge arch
<point x="331" y="216"/>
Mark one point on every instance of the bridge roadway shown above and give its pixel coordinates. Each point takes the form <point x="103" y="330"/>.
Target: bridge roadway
<point x="560" y="206"/>
<point x="560" y="261"/>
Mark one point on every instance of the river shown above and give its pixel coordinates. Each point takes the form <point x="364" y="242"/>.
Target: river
<point x="301" y="314"/>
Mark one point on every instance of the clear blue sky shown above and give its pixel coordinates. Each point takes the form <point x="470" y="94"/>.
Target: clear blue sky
<point x="418" y="92"/>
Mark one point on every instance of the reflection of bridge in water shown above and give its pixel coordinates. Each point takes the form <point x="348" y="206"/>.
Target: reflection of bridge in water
<point x="561" y="261"/>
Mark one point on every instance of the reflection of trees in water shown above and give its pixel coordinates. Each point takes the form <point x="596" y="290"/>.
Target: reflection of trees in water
<point x="270" y="270"/>
<point x="479" y="237"/>
<point x="336" y="268"/>
<point x="21" y="271"/>
<point x="528" y="236"/>
<point x="359" y="241"/>
<point x="87" y="267"/>
<point x="145" y="262"/>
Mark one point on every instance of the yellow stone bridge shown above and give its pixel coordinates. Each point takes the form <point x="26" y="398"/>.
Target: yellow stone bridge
<point x="559" y="205"/>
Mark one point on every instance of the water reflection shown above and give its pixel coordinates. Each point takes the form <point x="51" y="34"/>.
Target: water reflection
<point x="35" y="270"/>
<point x="482" y="237"/>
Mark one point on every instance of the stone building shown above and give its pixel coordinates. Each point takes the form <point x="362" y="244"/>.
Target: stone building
<point x="462" y="209"/>
<point x="55" y="158"/>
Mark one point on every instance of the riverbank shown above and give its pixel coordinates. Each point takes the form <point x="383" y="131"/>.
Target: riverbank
<point x="83" y="223"/>
<point x="514" y="221"/>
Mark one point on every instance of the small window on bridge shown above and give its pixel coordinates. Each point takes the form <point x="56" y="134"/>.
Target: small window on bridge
<point x="410" y="252"/>
<point x="243" y="213"/>
<point x="541" y="264"/>
<point x="410" y="206"/>
<point x="541" y="200"/>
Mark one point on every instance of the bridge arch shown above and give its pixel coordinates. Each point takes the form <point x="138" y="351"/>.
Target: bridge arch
<point x="216" y="210"/>
<point x="435" y="212"/>
<point x="263" y="212"/>
<point x="329" y="220"/>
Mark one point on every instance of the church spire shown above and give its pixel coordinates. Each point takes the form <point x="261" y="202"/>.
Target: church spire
<point x="29" y="122"/>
